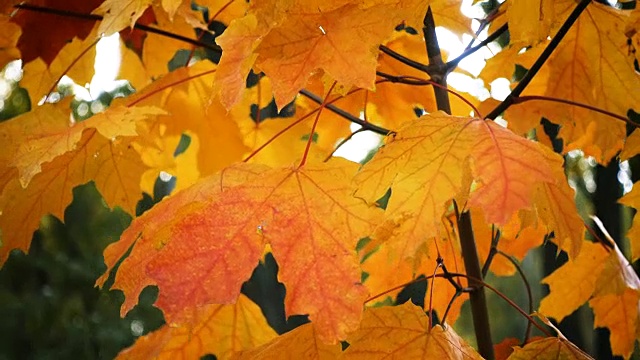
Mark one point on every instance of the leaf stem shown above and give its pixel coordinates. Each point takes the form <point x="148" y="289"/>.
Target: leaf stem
<point x="564" y="29"/>
<point x="75" y="61"/>
<point x="525" y="98"/>
<point x="315" y="124"/>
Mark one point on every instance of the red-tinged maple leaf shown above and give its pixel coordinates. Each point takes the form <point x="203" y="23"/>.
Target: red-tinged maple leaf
<point x="43" y="35"/>
<point x="299" y="343"/>
<point x="424" y="164"/>
<point x="306" y="215"/>
<point x="402" y="332"/>
<point x="549" y="349"/>
<point x="151" y="231"/>
<point x="605" y="279"/>
<point x="213" y="329"/>
<point x="504" y="348"/>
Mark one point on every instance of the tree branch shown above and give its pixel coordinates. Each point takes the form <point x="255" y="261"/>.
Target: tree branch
<point x="477" y="297"/>
<point x="564" y="29"/>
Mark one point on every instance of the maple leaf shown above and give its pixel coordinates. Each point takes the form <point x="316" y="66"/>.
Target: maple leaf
<point x="632" y="199"/>
<point x="35" y="43"/>
<point x="213" y="329"/>
<point x="549" y="348"/>
<point x="290" y="42"/>
<point x="530" y="21"/>
<point x="299" y="343"/>
<point x="590" y="66"/>
<point x="402" y="332"/>
<point x="51" y="135"/>
<point x="308" y="202"/>
<point x="8" y="41"/>
<point x="45" y="158"/>
<point x="605" y="279"/>
<point x="424" y="164"/>
<point x="76" y="60"/>
<point x="118" y="14"/>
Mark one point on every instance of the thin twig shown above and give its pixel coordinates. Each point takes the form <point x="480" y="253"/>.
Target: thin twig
<point x="564" y="29"/>
<point x="527" y="286"/>
<point x="495" y="238"/>
<point x="407" y="61"/>
<point x="480" y="282"/>
<point x="365" y="125"/>
<point x="342" y="142"/>
<point x="416" y="81"/>
<point x="452" y="64"/>
<point x="449" y="305"/>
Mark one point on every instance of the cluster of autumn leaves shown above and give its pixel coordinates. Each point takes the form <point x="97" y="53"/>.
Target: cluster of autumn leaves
<point x="200" y="244"/>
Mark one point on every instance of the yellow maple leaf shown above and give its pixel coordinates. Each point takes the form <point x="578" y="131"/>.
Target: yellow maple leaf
<point x="632" y="199"/>
<point x="118" y="14"/>
<point x="590" y="66"/>
<point x="402" y="332"/>
<point x="211" y="329"/>
<point x="424" y="165"/>
<point x="299" y="343"/>
<point x="604" y="278"/>
<point x="549" y="348"/>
